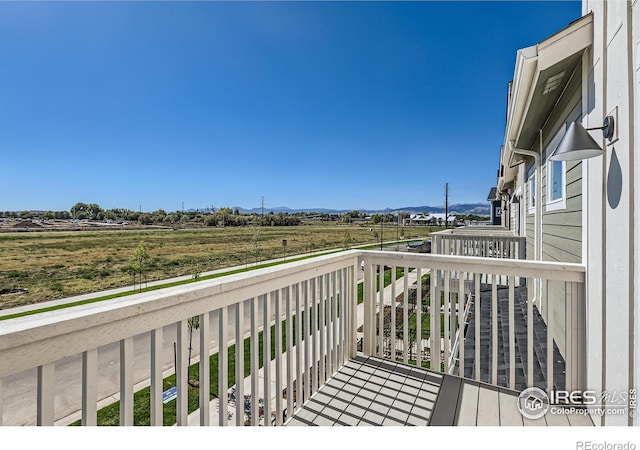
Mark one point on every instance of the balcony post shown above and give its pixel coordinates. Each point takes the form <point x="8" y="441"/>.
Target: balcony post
<point x="575" y="314"/>
<point x="353" y="309"/>
<point x="89" y="387"/>
<point x="368" y="340"/>
<point x="204" y="368"/>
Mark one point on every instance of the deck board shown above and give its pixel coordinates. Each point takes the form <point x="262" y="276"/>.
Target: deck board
<point x="488" y="407"/>
<point x="509" y="414"/>
<point x="468" y="413"/>
<point x="373" y="392"/>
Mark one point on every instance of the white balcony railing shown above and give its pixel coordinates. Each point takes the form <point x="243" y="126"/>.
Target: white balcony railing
<point x="313" y="307"/>
<point x="506" y="328"/>
<point x="483" y="242"/>
<point x="323" y="287"/>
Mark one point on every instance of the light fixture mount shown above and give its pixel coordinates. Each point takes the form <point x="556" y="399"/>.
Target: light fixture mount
<point x="608" y="128"/>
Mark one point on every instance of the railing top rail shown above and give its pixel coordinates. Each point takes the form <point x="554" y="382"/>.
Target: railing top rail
<point x="488" y="231"/>
<point x="485" y="235"/>
<point x="473" y="264"/>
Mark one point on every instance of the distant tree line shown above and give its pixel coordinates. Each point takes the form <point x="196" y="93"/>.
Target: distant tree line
<point x="222" y="217"/>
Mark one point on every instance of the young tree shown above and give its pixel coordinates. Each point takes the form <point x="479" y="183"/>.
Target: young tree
<point x="138" y="262"/>
<point x="193" y="323"/>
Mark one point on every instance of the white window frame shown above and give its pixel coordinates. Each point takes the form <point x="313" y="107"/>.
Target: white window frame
<point x="558" y="203"/>
<point x="531" y="197"/>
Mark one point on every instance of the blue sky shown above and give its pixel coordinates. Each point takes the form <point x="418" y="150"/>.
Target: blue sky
<point x="349" y="105"/>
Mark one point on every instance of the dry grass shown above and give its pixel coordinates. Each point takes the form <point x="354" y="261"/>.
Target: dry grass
<point x="51" y="265"/>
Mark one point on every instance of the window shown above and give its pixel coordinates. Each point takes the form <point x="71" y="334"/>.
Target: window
<point x="532" y="193"/>
<point x="556" y="185"/>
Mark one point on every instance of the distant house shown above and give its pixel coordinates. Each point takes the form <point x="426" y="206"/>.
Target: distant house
<point x="437" y="218"/>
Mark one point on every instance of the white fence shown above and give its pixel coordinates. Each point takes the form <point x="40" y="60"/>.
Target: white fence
<point x="484" y="244"/>
<point x="504" y="330"/>
<point x="312" y="305"/>
<point x="316" y="291"/>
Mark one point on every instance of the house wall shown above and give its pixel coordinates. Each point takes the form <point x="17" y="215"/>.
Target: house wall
<point x="561" y="228"/>
<point x="612" y="245"/>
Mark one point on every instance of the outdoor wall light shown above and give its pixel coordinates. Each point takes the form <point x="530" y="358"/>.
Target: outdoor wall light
<point x="577" y="144"/>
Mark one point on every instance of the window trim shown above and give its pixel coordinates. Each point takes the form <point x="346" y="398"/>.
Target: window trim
<point x="559" y="203"/>
<point x="531" y="207"/>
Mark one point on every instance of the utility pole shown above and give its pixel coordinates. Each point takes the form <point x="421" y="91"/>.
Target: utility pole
<point x="446" y="205"/>
<point x="182" y="207"/>
<point x="262" y="202"/>
<point x="381" y="231"/>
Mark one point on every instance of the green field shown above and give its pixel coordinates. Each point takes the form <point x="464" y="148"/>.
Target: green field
<point x="41" y="266"/>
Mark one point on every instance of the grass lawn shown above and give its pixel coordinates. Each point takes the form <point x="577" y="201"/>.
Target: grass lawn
<point x="42" y="266"/>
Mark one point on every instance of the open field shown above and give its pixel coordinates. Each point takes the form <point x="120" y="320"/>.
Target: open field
<point x="41" y="266"/>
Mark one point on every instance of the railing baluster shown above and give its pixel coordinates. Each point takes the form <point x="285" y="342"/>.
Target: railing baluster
<point x="549" y="338"/>
<point x="323" y="332"/>
<point x="278" y="338"/>
<point x="126" y="381"/>
<point x="299" y="348"/>
<point x="1" y="405"/>
<point x="494" y="330"/>
<point x="240" y="364"/>
<point x="223" y="368"/>
<point x="255" y="362"/>
<point x="46" y="394"/>
<point x="182" y="374"/>
<point x="334" y="322"/>
<point x="405" y="315"/>
<point x="327" y="323"/>
<point x="419" y="317"/>
<point x="381" y="310"/>
<point x="447" y="321"/>
<point x="434" y="333"/>
<point x="89" y="388"/>
<point x="512" y="335"/>
<point x="477" y="324"/>
<point x="314" y="335"/>
<point x="287" y="292"/>
<point x="570" y="317"/>
<point x="461" y="309"/>
<point x="368" y="293"/>
<point x="156" y="377"/>
<point x="530" y="289"/>
<point x="266" y="357"/>
<point x="205" y="370"/>
<point x="352" y="302"/>
<point x="392" y="332"/>
<point x="307" y="340"/>
<point x="342" y="312"/>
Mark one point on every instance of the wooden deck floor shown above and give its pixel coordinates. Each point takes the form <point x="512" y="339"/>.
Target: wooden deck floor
<point x="373" y="392"/>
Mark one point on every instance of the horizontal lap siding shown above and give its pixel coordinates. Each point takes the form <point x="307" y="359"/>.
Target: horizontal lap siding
<point x="562" y="241"/>
<point x="562" y="229"/>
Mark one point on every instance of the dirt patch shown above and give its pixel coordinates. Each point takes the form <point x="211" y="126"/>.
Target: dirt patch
<point x="27" y="224"/>
<point x="13" y="291"/>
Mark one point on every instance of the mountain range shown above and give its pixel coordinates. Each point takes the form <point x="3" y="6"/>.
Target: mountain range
<point x="481" y="209"/>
